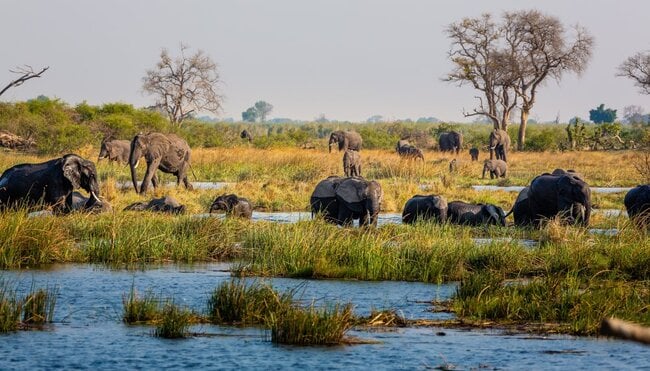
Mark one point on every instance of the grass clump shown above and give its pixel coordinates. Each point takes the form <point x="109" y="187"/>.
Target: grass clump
<point x="312" y="325"/>
<point x="236" y="302"/>
<point x="10" y="308"/>
<point x="174" y="323"/>
<point x="38" y="306"/>
<point x="140" y="309"/>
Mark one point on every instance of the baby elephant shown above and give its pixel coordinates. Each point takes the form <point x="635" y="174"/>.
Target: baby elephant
<point x="166" y="204"/>
<point x="497" y="168"/>
<point x="352" y="163"/>
<point x="233" y="206"/>
<point x="474" y="153"/>
<point x="459" y="212"/>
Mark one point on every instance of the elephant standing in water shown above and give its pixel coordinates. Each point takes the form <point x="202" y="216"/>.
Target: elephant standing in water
<point x="166" y="152"/>
<point x="115" y="150"/>
<point x="323" y="200"/>
<point x="459" y="212"/>
<point x="346" y="140"/>
<point x="358" y="199"/>
<point x="166" y="204"/>
<point x="351" y="163"/>
<point x="499" y="144"/>
<point x="637" y="204"/>
<point x="50" y="183"/>
<point x="549" y="195"/>
<point x="421" y="207"/>
<point x="450" y="142"/>
<point x="233" y="206"/>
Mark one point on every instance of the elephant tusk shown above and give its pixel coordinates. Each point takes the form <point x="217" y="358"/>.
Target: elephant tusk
<point x="95" y="197"/>
<point x="136" y="164"/>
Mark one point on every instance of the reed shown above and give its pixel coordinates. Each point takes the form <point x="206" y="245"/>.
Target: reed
<point x="312" y="325"/>
<point x="10" y="307"/>
<point x="241" y="303"/>
<point x="38" y="306"/>
<point x="174" y="322"/>
<point x="140" y="309"/>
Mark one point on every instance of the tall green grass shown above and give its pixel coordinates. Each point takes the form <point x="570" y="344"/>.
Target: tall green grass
<point x="312" y="325"/>
<point x="140" y="309"/>
<point x="174" y="323"/>
<point x="36" y="308"/>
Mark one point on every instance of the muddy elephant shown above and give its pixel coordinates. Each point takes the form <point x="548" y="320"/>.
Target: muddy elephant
<point x="115" y="150"/>
<point x="79" y="202"/>
<point x="499" y="144"/>
<point x="564" y="195"/>
<point x="167" y="204"/>
<point x="425" y="207"/>
<point x="50" y="183"/>
<point x="233" y="205"/>
<point x="451" y="141"/>
<point x="496" y="168"/>
<point x="165" y="152"/>
<point x="409" y="151"/>
<point x="473" y="152"/>
<point x="351" y="163"/>
<point x="346" y="140"/>
<point x="637" y="204"/>
<point x="245" y="134"/>
<point x="459" y="212"/>
<point x="323" y="200"/>
<point x="358" y="199"/>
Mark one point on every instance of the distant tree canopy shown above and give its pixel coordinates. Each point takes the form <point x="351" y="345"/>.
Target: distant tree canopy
<point x="375" y="119"/>
<point x="508" y="61"/>
<point x="637" y="68"/>
<point x="185" y="85"/>
<point x="601" y="115"/>
<point x="259" y="111"/>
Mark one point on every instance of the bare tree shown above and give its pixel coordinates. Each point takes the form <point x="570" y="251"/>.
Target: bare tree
<point x="480" y="61"/>
<point x="184" y="85"/>
<point x="538" y="48"/>
<point x="26" y="73"/>
<point x="637" y="68"/>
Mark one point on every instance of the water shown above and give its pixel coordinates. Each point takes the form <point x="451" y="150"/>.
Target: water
<point x="88" y="332"/>
<point x="519" y="188"/>
<point x="196" y="185"/>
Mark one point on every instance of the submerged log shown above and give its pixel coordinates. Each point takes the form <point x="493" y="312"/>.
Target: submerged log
<point x="625" y="330"/>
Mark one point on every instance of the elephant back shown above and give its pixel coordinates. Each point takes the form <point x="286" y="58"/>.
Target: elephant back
<point x="352" y="189"/>
<point x="326" y="187"/>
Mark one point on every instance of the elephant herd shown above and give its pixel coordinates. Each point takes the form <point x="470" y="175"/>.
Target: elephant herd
<point x="562" y="193"/>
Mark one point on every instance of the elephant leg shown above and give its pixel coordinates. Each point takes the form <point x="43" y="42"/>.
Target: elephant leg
<point x="149" y="174"/>
<point x="344" y="216"/>
<point x="182" y="175"/>
<point x="154" y="181"/>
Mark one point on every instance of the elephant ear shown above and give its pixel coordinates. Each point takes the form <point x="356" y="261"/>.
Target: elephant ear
<point x="72" y="170"/>
<point x="523" y="195"/>
<point x="439" y="202"/>
<point x="326" y="188"/>
<point x="352" y="190"/>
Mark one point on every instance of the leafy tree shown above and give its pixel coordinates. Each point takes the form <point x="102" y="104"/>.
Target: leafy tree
<point x="375" y="119"/>
<point x="263" y="109"/>
<point x="601" y="115"/>
<point x="250" y="115"/>
<point x="637" y="68"/>
<point x="183" y="85"/>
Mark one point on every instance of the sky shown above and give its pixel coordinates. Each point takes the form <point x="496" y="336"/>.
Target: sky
<point x="344" y="59"/>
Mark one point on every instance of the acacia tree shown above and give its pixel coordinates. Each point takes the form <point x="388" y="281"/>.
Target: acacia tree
<point x="539" y="49"/>
<point x="184" y="85"/>
<point x="637" y="68"/>
<point x="26" y="73"/>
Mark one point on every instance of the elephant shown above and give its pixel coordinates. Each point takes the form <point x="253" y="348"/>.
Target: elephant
<point x="346" y="140"/>
<point x="50" y="183"/>
<point x="79" y="202"/>
<point x="499" y="144"/>
<point x="166" y="152"/>
<point x="459" y="212"/>
<point x="245" y="134"/>
<point x="323" y="200"/>
<point x="115" y="150"/>
<point x="166" y="204"/>
<point x="233" y="206"/>
<point x="473" y="152"/>
<point x="548" y="195"/>
<point x="425" y="207"/>
<point x="351" y="163"/>
<point x="497" y="168"/>
<point x="358" y="199"/>
<point x="451" y="141"/>
<point x="409" y="151"/>
<point x="637" y="204"/>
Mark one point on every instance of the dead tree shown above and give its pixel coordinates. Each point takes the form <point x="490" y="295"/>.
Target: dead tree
<point x="26" y="73"/>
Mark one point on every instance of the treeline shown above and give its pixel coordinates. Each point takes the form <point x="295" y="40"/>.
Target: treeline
<point x="57" y="127"/>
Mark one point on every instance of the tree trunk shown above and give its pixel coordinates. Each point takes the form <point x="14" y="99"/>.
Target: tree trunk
<point x="521" y="140"/>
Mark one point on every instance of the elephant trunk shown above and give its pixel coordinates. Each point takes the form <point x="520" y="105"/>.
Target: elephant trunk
<point x="133" y="163"/>
<point x="484" y="170"/>
<point x="330" y="146"/>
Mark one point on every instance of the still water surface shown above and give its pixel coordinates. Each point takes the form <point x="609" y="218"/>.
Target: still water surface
<point x="88" y="332"/>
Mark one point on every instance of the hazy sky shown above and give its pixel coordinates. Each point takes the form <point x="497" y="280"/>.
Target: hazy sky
<point x="346" y="59"/>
